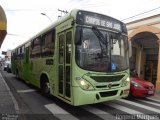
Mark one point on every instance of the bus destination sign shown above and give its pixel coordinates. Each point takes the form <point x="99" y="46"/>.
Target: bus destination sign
<point x="112" y="24"/>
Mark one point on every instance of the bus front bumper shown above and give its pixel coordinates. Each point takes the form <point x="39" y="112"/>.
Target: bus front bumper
<point x="82" y="97"/>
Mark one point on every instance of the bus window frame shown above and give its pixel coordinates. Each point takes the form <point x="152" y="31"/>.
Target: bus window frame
<point x="51" y="45"/>
<point x="33" y="47"/>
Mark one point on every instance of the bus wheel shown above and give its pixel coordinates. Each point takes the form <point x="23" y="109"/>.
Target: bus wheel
<point x="45" y="86"/>
<point x="17" y="74"/>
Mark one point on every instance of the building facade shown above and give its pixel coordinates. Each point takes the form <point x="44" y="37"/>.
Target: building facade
<point x="145" y="37"/>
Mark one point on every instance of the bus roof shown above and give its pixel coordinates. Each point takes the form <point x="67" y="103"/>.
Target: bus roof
<point x="71" y="14"/>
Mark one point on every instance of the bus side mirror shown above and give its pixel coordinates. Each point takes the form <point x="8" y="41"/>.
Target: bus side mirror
<point x="130" y="49"/>
<point x="78" y="36"/>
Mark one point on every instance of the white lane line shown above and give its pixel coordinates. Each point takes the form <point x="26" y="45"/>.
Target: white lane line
<point x="123" y="108"/>
<point x="26" y="91"/>
<point x="60" y="112"/>
<point x="154" y="99"/>
<point x="140" y="105"/>
<point x="99" y="113"/>
<point x="157" y="104"/>
<point x="130" y="111"/>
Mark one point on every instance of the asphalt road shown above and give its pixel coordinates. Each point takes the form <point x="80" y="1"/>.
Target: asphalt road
<point x="35" y="106"/>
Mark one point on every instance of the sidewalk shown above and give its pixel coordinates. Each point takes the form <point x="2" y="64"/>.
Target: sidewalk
<point x="8" y="104"/>
<point x="157" y="95"/>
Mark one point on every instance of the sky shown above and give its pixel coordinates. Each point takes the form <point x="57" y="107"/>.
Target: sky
<point x="24" y="18"/>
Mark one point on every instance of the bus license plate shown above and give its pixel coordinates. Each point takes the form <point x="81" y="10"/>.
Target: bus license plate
<point x="150" y="92"/>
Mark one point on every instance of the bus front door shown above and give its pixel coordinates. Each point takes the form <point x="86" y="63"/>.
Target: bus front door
<point x="64" y="65"/>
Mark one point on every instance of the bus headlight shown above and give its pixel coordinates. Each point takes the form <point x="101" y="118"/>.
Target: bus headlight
<point x="126" y="81"/>
<point x="85" y="85"/>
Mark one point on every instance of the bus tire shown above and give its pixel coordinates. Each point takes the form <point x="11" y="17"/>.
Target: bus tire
<point x="17" y="74"/>
<point x="45" y="86"/>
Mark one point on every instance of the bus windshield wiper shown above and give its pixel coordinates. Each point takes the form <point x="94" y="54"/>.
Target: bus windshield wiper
<point x="99" y="34"/>
<point x="101" y="39"/>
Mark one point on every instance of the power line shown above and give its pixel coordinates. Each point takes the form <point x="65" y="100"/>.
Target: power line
<point x="94" y="5"/>
<point x="141" y="13"/>
<point x="29" y="10"/>
<point x="10" y="10"/>
<point x="16" y="35"/>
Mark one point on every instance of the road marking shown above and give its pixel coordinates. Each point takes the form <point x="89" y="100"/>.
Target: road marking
<point x="149" y="102"/>
<point x="154" y="99"/>
<point x="123" y="108"/>
<point x="140" y="105"/>
<point x="26" y="91"/>
<point x="130" y="111"/>
<point x="60" y="112"/>
<point x="99" y="113"/>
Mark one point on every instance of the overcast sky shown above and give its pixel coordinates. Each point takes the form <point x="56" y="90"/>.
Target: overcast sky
<point x="24" y="16"/>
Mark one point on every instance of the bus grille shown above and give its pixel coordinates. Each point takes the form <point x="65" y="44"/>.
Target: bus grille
<point x="107" y="78"/>
<point x="105" y="86"/>
<point x="108" y="94"/>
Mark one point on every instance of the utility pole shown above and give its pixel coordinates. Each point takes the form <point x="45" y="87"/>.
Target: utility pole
<point x="62" y="12"/>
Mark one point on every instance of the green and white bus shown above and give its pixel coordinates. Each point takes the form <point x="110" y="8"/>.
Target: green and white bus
<point x="82" y="58"/>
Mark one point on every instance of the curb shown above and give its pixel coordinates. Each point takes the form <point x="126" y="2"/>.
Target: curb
<point x="12" y="97"/>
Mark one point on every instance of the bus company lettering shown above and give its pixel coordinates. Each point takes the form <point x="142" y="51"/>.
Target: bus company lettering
<point x="92" y="20"/>
<point x="102" y="22"/>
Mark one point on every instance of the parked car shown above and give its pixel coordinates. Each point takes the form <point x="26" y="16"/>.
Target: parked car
<point x="5" y="65"/>
<point x="9" y="67"/>
<point x="140" y="87"/>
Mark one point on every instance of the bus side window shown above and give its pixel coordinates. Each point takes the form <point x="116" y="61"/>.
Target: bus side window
<point x="61" y="49"/>
<point x="18" y="53"/>
<point x="31" y="48"/>
<point x="22" y="51"/>
<point x="48" y="44"/>
<point x="68" y="46"/>
<point x="13" y="56"/>
<point x="36" y="47"/>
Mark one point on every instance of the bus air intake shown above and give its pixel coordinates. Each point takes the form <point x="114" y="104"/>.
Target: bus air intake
<point x="108" y="94"/>
<point x="107" y="78"/>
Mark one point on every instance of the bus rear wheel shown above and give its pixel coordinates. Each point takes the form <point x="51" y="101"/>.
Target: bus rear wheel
<point x="17" y="74"/>
<point x="45" y="86"/>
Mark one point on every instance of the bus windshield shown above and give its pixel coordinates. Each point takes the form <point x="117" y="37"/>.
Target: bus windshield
<point x="102" y="51"/>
